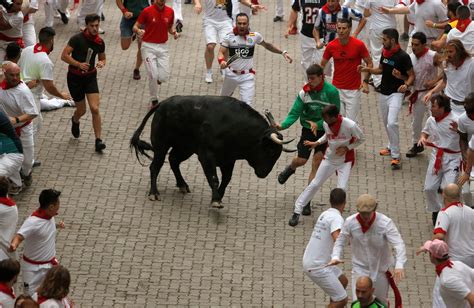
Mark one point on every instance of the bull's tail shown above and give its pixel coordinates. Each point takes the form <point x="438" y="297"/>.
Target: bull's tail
<point x="138" y="145"/>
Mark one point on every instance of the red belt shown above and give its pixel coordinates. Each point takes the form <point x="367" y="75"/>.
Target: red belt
<point x="53" y="261"/>
<point x="243" y="72"/>
<point x="396" y="291"/>
<point x="413" y="98"/>
<point x="18" y="129"/>
<point x="19" y="40"/>
<point x="439" y="156"/>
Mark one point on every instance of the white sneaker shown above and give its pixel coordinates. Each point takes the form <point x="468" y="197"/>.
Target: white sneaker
<point x="208" y="77"/>
<point x="101" y="31"/>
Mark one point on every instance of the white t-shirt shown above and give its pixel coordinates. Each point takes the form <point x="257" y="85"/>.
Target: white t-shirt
<point x="466" y="37"/>
<point x="6" y="301"/>
<point x="17" y="101"/>
<point x="349" y="130"/>
<point x="424" y="69"/>
<point x="54" y="303"/>
<point x="33" y="4"/>
<point x="40" y="238"/>
<point x="318" y="250"/>
<point x="378" y="20"/>
<point x="460" y="82"/>
<point x="245" y="46"/>
<point x="471" y="143"/>
<point x="457" y="223"/>
<point x="433" y="10"/>
<point x="36" y="66"/>
<point x="440" y="133"/>
<point x="216" y="10"/>
<point x="466" y="125"/>
<point x="455" y="284"/>
<point x="8" y="221"/>
<point x="16" y="21"/>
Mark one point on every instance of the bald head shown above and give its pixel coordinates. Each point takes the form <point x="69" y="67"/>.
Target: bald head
<point x="12" y="73"/>
<point x="364" y="290"/>
<point x="364" y="282"/>
<point x="451" y="193"/>
<point x="10" y="67"/>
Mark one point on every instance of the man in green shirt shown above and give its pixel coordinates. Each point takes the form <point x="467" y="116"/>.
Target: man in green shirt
<point x="308" y="107"/>
<point x="365" y="294"/>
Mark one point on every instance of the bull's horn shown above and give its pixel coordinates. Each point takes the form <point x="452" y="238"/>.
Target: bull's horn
<point x="275" y="139"/>
<point x="289" y="150"/>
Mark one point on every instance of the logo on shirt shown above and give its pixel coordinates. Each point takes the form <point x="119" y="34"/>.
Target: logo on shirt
<point x="343" y="54"/>
<point x="243" y="52"/>
<point x="388" y="62"/>
<point x="331" y="27"/>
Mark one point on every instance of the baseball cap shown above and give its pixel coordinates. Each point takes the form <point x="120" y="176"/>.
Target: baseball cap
<point x="439" y="249"/>
<point x="366" y="203"/>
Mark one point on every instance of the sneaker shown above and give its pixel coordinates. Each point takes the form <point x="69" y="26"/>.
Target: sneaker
<point x="99" y="145"/>
<point x="307" y="209"/>
<point x="75" y="130"/>
<point x="136" y="74"/>
<point x="294" y="219"/>
<point x="14" y="190"/>
<point x="64" y="17"/>
<point x="285" y="174"/>
<point x="208" y="78"/>
<point x="69" y="103"/>
<point x="36" y="163"/>
<point x="293" y="31"/>
<point x="277" y="18"/>
<point x="27" y="180"/>
<point x="415" y="150"/>
<point x="102" y="17"/>
<point x="404" y="36"/>
<point x="385" y="152"/>
<point x="396" y="164"/>
<point x="179" y="26"/>
<point x="188" y="1"/>
<point x="154" y="103"/>
<point x="101" y="31"/>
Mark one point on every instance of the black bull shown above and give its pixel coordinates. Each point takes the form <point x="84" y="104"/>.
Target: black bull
<point x="220" y="130"/>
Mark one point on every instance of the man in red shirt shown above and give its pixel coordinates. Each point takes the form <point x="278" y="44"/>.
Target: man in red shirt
<point x="153" y="26"/>
<point x="348" y="52"/>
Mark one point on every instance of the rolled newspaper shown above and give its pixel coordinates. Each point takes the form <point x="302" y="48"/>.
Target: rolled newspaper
<point x="89" y="55"/>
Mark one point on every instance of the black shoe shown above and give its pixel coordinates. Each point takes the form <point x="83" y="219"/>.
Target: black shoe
<point x="179" y="26"/>
<point x="277" y="18"/>
<point x="102" y="17"/>
<point x="99" y="145"/>
<point x="294" y="219"/>
<point x="415" y="150"/>
<point x="188" y="1"/>
<point x="434" y="217"/>
<point x="36" y="163"/>
<point x="154" y="103"/>
<point x="27" y="180"/>
<point x="75" y="130"/>
<point x="307" y="209"/>
<point x="64" y="17"/>
<point x="404" y="36"/>
<point x="285" y="174"/>
<point x="136" y="74"/>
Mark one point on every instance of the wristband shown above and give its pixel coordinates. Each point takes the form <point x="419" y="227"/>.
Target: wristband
<point x="220" y="60"/>
<point x="124" y="10"/>
<point x="434" y="25"/>
<point x="17" y="120"/>
<point x="283" y="52"/>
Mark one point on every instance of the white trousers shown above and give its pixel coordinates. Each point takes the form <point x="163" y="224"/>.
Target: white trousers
<point x="325" y="170"/>
<point x="88" y="7"/>
<point x="350" y="103"/>
<point x="178" y="12"/>
<point x="457" y="110"/>
<point x="279" y="9"/>
<point x="375" y="48"/>
<point x="215" y="31"/>
<point x="380" y="284"/>
<point x="32" y="280"/>
<point x="419" y="110"/>
<point x="53" y="103"/>
<point x="157" y="63"/>
<point x="245" y="82"/>
<point x="10" y="165"/>
<point x="389" y="106"/>
<point x="50" y="8"/>
<point x="311" y="55"/>
<point x="327" y="278"/>
<point x="27" y="140"/>
<point x="29" y="34"/>
<point x="447" y="174"/>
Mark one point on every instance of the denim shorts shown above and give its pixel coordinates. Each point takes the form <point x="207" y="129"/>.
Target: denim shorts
<point x="126" y="27"/>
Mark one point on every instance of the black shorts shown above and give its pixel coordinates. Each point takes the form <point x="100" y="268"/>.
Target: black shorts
<point x="307" y="134"/>
<point x="79" y="86"/>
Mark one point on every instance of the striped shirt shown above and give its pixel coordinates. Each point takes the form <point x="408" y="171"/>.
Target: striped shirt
<point x="327" y="20"/>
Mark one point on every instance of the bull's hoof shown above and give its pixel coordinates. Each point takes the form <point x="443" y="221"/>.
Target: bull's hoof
<point x="184" y="189"/>
<point x="154" y="197"/>
<point x="216" y="205"/>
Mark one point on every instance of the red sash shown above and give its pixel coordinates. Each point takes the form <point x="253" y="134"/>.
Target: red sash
<point x="7" y="290"/>
<point x="53" y="261"/>
<point x="19" y="40"/>
<point x="396" y="291"/>
<point x="439" y="156"/>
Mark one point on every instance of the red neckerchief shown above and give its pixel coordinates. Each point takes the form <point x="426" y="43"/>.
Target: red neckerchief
<point x="420" y="2"/>
<point x="336" y="126"/>
<point x="470" y="115"/>
<point x="387" y="53"/>
<point x="326" y="9"/>
<point x="40" y="48"/>
<point x="7" y="201"/>
<point x="422" y="53"/>
<point x="462" y="24"/>
<point x="440" y="267"/>
<point x="41" y="299"/>
<point x="365" y="225"/>
<point x="41" y="214"/>
<point x="4" y="288"/>
<point x="93" y="38"/>
<point x="465" y="2"/>
<point x="5" y="86"/>
<point x="455" y="203"/>
<point x="441" y="118"/>
<point x="236" y="32"/>
<point x="307" y="87"/>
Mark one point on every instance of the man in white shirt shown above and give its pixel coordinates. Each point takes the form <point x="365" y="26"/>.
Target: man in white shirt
<point x="11" y="26"/>
<point x="39" y="233"/>
<point x="240" y="73"/>
<point x="318" y="251"/>
<point x="456" y="278"/>
<point x="9" y="270"/>
<point x="370" y="234"/>
<point x="18" y="103"/>
<point x="445" y="159"/>
<point x="8" y="219"/>
<point x="342" y="136"/>
<point x="464" y="30"/>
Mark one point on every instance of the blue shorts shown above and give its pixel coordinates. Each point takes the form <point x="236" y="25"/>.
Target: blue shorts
<point x="126" y="27"/>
